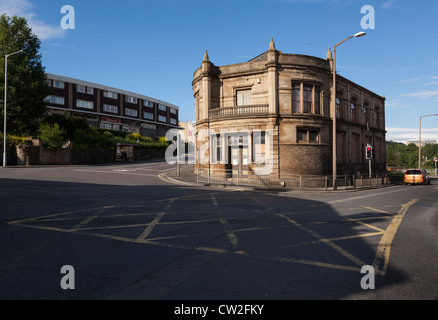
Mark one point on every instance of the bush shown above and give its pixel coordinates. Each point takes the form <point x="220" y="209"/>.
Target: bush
<point x="91" y="139"/>
<point x="51" y="135"/>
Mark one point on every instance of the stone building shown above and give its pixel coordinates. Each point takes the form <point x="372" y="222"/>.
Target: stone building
<point x="275" y="110"/>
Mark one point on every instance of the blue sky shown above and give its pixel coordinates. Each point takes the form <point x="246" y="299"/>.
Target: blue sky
<point x="153" y="47"/>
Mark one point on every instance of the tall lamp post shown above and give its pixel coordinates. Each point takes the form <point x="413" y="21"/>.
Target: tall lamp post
<point x="6" y="97"/>
<point x="334" y="160"/>
<point x="419" y="144"/>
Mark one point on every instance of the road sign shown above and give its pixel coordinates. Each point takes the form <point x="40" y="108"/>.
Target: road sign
<point x="435" y="159"/>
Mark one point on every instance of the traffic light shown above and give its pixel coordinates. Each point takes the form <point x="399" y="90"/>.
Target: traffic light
<point x="369" y="152"/>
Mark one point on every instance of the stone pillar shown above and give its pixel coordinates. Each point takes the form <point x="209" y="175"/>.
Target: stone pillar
<point x="205" y="104"/>
<point x="272" y="78"/>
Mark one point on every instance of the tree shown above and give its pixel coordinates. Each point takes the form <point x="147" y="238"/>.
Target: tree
<point x="27" y="81"/>
<point x="51" y="135"/>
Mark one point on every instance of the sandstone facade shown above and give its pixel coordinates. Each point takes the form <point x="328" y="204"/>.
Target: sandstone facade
<point x="276" y="108"/>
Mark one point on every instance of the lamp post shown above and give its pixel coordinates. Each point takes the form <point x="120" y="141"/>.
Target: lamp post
<point x="6" y="97"/>
<point x="334" y="160"/>
<point x="419" y="144"/>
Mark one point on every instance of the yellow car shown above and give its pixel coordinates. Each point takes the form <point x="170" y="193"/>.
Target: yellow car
<point x="416" y="176"/>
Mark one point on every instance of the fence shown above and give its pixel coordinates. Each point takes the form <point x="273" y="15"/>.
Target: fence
<point x="249" y="178"/>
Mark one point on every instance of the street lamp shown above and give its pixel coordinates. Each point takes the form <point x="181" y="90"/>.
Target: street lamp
<point x="6" y="97"/>
<point x="334" y="161"/>
<point x="419" y="145"/>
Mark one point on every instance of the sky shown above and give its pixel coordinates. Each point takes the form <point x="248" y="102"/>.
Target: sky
<point x="153" y="47"/>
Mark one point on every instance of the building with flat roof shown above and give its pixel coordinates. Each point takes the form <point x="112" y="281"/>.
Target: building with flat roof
<point x="111" y="108"/>
<point x="279" y="104"/>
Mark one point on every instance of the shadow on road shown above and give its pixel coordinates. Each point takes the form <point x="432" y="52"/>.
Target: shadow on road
<point x="178" y="242"/>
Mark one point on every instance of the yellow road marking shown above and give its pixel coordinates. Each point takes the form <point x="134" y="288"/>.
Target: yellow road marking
<point x="378" y="210"/>
<point x="230" y="234"/>
<point x="339" y="238"/>
<point x="89" y="219"/>
<point x="154" y="222"/>
<point x="318" y="264"/>
<point x="326" y="241"/>
<point x="54" y="215"/>
<point x="384" y="247"/>
<point x="366" y="225"/>
<point x="213" y="199"/>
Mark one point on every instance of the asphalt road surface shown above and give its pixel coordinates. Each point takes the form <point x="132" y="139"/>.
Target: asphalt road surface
<point x="127" y="234"/>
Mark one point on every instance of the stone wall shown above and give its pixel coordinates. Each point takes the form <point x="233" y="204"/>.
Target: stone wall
<point x="36" y="155"/>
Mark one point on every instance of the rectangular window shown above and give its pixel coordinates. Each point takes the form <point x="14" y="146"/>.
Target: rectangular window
<point x="317" y="100"/>
<point x="338" y="108"/>
<point x="376" y="118"/>
<point x="84" y="104"/>
<point x="131" y="99"/>
<point x="111" y="95"/>
<point x="162" y="108"/>
<point x="55" y="100"/>
<point x="109" y="108"/>
<point x="216" y="144"/>
<point x="148" y="104"/>
<point x="244" y="98"/>
<point x="301" y="136"/>
<point x="259" y="143"/>
<point x="307" y="98"/>
<point x="104" y="125"/>
<point x="84" y="89"/>
<point x="80" y="88"/>
<point x="58" y="84"/>
<point x="148" y="115"/>
<point x="353" y="112"/>
<point x="131" y="112"/>
<point x="314" y="136"/>
<point x="162" y="119"/>
<point x="172" y="121"/>
<point x="308" y="136"/>
<point x="296" y="98"/>
<point x="172" y="110"/>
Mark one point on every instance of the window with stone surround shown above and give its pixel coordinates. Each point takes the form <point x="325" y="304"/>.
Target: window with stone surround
<point x="308" y="135"/>
<point x="296" y="97"/>
<point x="243" y="97"/>
<point x="306" y="98"/>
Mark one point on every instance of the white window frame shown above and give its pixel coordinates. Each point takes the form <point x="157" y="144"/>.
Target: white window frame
<point x="148" y="115"/>
<point x="162" y="119"/>
<point x="55" y="100"/>
<point x="172" y="121"/>
<point x="162" y="107"/>
<point x="111" y="95"/>
<point x="81" y="88"/>
<point x="131" y="99"/>
<point x="110" y="108"/>
<point x="58" y="84"/>
<point x="84" y="104"/>
<point x="147" y="103"/>
<point x="131" y="112"/>
<point x="243" y="97"/>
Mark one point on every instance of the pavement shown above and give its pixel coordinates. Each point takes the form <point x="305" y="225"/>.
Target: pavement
<point x="188" y="177"/>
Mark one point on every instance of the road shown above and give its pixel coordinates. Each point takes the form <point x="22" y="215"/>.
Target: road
<point x="130" y="235"/>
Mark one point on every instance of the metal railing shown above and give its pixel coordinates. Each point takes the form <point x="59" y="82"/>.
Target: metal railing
<point x="249" y="178"/>
<point x="239" y="110"/>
